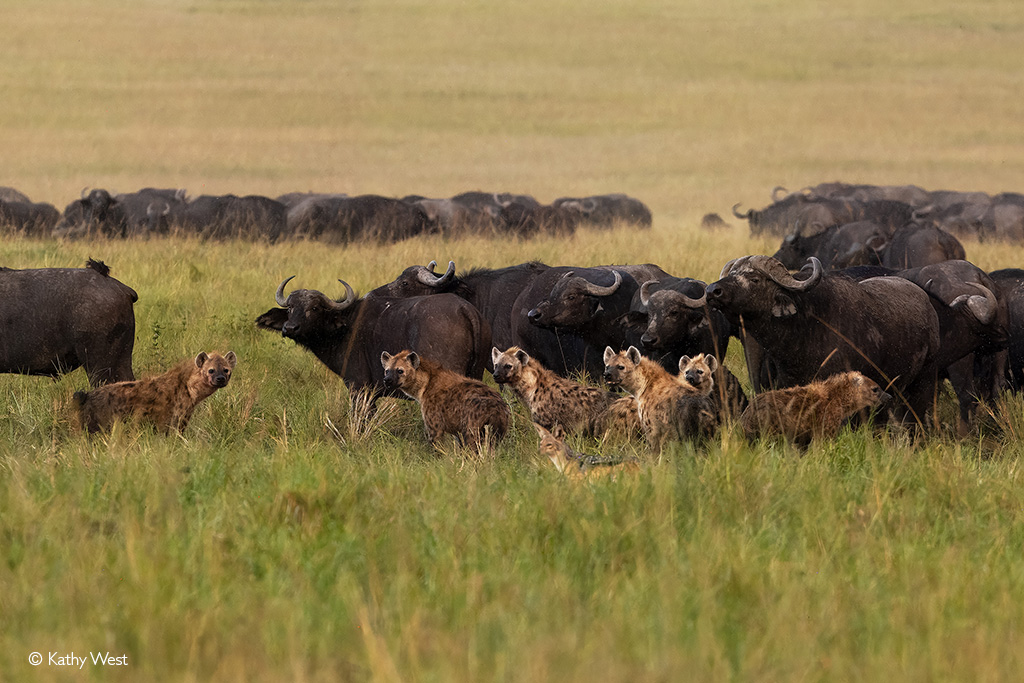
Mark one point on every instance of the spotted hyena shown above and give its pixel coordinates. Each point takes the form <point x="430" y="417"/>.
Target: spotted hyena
<point x="812" y="411"/>
<point x="551" y="399"/>
<point x="449" y="402"/>
<point x="166" y="401"/>
<point x="667" y="411"/>
<point x="697" y="374"/>
<point x="576" y="465"/>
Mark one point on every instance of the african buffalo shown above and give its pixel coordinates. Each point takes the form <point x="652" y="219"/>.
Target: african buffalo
<point x="349" y="335"/>
<point x="28" y="218"/>
<point x="97" y="213"/>
<point x="492" y="291"/>
<point x="224" y="217"/>
<point x="606" y="210"/>
<point x="824" y="324"/>
<point x="1009" y="283"/>
<point x="973" y="324"/>
<point x="58" y="319"/>
<point x="139" y="206"/>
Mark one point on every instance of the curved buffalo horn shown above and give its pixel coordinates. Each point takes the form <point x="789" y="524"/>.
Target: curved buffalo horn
<point x="736" y="213"/>
<point x="778" y="273"/>
<point x="732" y="265"/>
<point x="775" y="192"/>
<point x="350" y="297"/>
<point x="645" y="292"/>
<point x="983" y="306"/>
<point x="693" y="303"/>
<point x="279" y="294"/>
<point x="426" y="275"/>
<point x="82" y="196"/>
<point x="597" y="290"/>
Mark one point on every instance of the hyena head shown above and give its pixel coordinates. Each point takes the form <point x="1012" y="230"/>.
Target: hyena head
<point x="508" y="366"/>
<point x="620" y="368"/>
<point x="553" y="446"/>
<point x="400" y="370"/>
<point x="865" y="392"/>
<point x="215" y="369"/>
<point x="698" y="373"/>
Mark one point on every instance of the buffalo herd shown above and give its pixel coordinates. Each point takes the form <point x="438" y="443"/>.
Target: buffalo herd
<point x="332" y="218"/>
<point x="835" y="298"/>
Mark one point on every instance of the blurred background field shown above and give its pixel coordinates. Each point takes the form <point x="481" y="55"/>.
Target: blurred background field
<point x="274" y="542"/>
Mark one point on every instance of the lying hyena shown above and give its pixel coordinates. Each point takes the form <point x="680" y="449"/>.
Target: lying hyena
<point x="812" y="411"/>
<point x="576" y="465"/>
<point x="667" y="411"/>
<point x="166" y="401"/>
<point x="449" y="402"/>
<point x="550" y="398"/>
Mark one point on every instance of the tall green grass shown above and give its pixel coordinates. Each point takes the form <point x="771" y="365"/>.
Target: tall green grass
<point x="285" y="537"/>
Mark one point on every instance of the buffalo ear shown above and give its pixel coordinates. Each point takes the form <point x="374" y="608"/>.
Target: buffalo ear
<point x="384" y="358"/>
<point x="633" y="354"/>
<point x="414" y="360"/>
<point x="274" y="319"/>
<point x="784" y="306"/>
<point x="495" y="355"/>
<point x="608" y="353"/>
<point x="201" y="358"/>
<point x="231" y="358"/>
<point x="523" y="357"/>
<point x="877" y="243"/>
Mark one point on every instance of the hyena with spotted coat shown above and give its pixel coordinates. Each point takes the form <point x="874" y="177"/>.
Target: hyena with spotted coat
<point x="697" y="375"/>
<point x="813" y="411"/>
<point x="550" y="398"/>
<point x="668" y="411"/>
<point x="449" y="402"/>
<point x="166" y="401"/>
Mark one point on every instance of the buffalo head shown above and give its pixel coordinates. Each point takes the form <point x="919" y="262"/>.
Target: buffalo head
<point x="760" y="285"/>
<point x="573" y="301"/>
<point x="672" y="315"/>
<point x="307" y="314"/>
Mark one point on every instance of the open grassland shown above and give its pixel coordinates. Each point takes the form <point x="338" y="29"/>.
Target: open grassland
<point x="281" y="540"/>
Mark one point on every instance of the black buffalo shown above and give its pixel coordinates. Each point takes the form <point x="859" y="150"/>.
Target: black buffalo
<point x="58" y="319"/>
<point x="606" y="210"/>
<point x="809" y="329"/>
<point x="1009" y="283"/>
<point x="349" y="335"/>
<point x="973" y="330"/>
<point x="97" y="213"/>
<point x="223" y="217"/>
<point x="33" y="219"/>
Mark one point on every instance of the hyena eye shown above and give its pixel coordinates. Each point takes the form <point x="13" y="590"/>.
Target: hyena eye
<point x="401" y="371"/>
<point x="508" y="366"/>
<point x="621" y="367"/>
<point x="211" y="371"/>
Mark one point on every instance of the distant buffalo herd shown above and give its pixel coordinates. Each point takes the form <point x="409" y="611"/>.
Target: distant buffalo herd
<point x="883" y="328"/>
<point x="332" y="218"/>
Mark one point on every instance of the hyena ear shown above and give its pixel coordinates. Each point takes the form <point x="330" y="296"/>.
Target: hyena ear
<point x="712" y="363"/>
<point x="495" y="355"/>
<point x="523" y="357"/>
<point x="608" y="353"/>
<point x="683" y="362"/>
<point x="231" y="358"/>
<point x="414" y="360"/>
<point x="201" y="358"/>
<point x="384" y="358"/>
<point x="633" y="354"/>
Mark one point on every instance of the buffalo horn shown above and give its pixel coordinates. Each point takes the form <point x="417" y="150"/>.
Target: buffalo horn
<point x="777" y="272"/>
<point x="426" y="275"/>
<point x="645" y="292"/>
<point x="597" y="290"/>
<point x="279" y="294"/>
<point x="350" y="296"/>
<point x="736" y="213"/>
<point x="982" y="306"/>
<point x="775" y="192"/>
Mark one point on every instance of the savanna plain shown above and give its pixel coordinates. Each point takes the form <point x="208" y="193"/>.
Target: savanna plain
<point x="289" y="535"/>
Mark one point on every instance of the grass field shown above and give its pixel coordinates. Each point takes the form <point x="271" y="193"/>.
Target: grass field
<point x="279" y="541"/>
